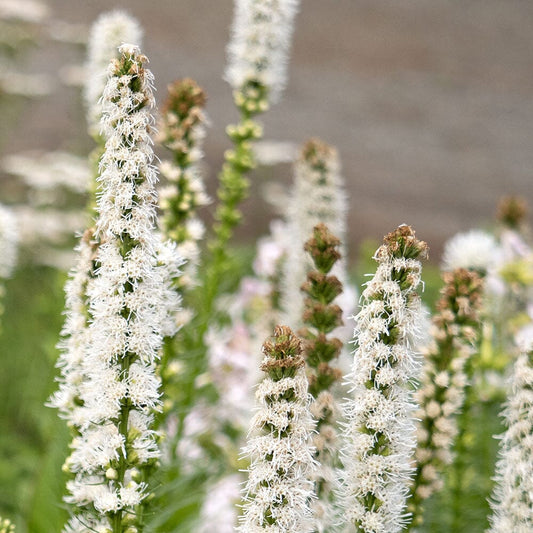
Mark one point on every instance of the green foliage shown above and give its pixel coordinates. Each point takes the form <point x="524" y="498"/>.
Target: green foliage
<point x="32" y="440"/>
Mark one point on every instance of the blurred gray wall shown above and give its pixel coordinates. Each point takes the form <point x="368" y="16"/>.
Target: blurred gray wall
<point x="430" y="102"/>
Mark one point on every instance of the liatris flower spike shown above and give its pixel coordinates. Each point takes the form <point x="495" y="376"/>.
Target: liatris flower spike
<point x="317" y="197"/>
<point x="182" y="129"/>
<point x="257" y="57"/>
<point x="278" y="494"/>
<point x="129" y="300"/>
<point x="75" y="335"/>
<point x="258" y="50"/>
<point x="379" y="431"/>
<point x="455" y="332"/>
<point x="512" y="503"/>
<point x="321" y="317"/>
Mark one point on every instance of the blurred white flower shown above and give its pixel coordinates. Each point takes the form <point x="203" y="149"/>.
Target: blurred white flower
<point x="24" y="10"/>
<point x="219" y="510"/>
<point x="108" y="32"/>
<point x="259" y="46"/>
<point x="268" y="152"/>
<point x="29" y="85"/>
<point x="512" y="503"/>
<point x="270" y="250"/>
<point x="474" y="250"/>
<point x="9" y="239"/>
<point x="49" y="170"/>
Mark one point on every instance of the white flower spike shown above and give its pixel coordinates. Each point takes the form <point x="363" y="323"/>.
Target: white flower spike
<point x="379" y="432"/>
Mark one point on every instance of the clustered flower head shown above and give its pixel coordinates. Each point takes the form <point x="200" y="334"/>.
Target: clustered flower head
<point x="512" y="503"/>
<point x="317" y="197"/>
<point x="379" y="429"/>
<point x="259" y="48"/>
<point x="278" y="493"/>
<point x="455" y="331"/>
<point x="129" y="300"/>
<point x="321" y="317"/>
<point x="108" y="32"/>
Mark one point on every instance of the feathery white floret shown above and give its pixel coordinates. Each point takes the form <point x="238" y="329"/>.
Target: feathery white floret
<point x="108" y="32"/>
<point x="74" y="333"/>
<point x="260" y="42"/>
<point x="512" y="503"/>
<point x="379" y="429"/>
<point x="278" y="493"/>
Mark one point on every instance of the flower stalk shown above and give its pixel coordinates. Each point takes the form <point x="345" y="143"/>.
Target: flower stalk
<point x="455" y="332"/>
<point x="279" y="491"/>
<point x="512" y="503"/>
<point x="321" y="317"/>
<point x="317" y="197"/>
<point x="256" y="70"/>
<point x="130" y="304"/>
<point x="379" y="430"/>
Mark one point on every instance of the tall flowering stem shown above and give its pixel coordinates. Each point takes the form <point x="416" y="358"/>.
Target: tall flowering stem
<point x="512" y="503"/>
<point x="278" y="493"/>
<point x="182" y="130"/>
<point x="129" y="306"/>
<point x="455" y="333"/>
<point x="257" y="55"/>
<point x="317" y="197"/>
<point x="321" y="317"/>
<point x="379" y="430"/>
<point x="256" y="70"/>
